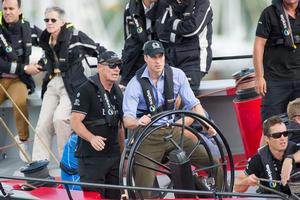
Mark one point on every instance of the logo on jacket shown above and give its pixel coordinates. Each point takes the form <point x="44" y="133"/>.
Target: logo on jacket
<point x="269" y="173"/>
<point x="152" y="108"/>
<point x="8" y="49"/>
<point x="110" y="112"/>
<point x="139" y="29"/>
<point x="77" y="102"/>
<point x="286" y="32"/>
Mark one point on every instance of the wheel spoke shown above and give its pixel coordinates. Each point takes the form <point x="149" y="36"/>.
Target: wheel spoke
<point x="152" y="160"/>
<point x="152" y="168"/>
<point x="194" y="149"/>
<point x="210" y="167"/>
<point x="182" y="131"/>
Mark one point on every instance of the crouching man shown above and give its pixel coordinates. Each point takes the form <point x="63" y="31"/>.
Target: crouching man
<point x="274" y="161"/>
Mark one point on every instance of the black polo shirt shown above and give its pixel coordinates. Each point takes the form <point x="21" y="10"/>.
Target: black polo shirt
<point x="280" y="62"/>
<point x="255" y="166"/>
<point x="89" y="103"/>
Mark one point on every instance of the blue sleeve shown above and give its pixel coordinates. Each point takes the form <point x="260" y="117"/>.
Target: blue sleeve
<point x="131" y="98"/>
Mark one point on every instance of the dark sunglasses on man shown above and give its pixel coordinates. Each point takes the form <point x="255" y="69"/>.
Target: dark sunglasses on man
<point x="50" y="19"/>
<point x="112" y="65"/>
<point x="278" y="135"/>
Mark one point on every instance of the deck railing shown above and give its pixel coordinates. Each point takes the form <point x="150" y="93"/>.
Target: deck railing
<point x="215" y="195"/>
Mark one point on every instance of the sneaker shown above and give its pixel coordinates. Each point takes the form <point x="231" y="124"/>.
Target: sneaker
<point x="25" y="148"/>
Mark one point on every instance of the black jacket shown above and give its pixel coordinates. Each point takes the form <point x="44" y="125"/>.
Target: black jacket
<point x="187" y="39"/>
<point x="294" y="128"/>
<point x="14" y="55"/>
<point x="71" y="47"/>
<point x="135" y="35"/>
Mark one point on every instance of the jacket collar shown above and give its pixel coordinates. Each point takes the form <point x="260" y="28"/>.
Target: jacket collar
<point x="62" y="36"/>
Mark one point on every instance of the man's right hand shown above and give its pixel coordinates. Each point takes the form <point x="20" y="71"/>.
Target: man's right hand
<point x="252" y="180"/>
<point x="122" y="87"/>
<point x="32" y="69"/>
<point x="144" y="120"/>
<point x="261" y="86"/>
<point x="97" y="142"/>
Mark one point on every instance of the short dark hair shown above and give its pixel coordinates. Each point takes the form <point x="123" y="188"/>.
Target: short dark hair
<point x="268" y="123"/>
<point x="19" y="3"/>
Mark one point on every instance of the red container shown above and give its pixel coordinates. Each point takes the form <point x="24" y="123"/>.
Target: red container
<point x="249" y="121"/>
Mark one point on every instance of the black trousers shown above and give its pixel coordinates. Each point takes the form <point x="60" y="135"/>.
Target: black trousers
<point x="102" y="170"/>
<point x="279" y="94"/>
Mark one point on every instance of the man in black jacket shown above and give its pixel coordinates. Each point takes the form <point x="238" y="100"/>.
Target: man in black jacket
<point x="16" y="40"/>
<point x="276" y="55"/>
<point x="64" y="48"/>
<point x="274" y="161"/>
<point x="185" y="28"/>
<point x="139" y="17"/>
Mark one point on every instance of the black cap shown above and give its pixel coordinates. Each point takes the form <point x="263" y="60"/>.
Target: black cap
<point x="153" y="47"/>
<point x="108" y="57"/>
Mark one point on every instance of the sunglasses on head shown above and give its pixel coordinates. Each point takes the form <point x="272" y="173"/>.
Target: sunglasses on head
<point x="279" y="134"/>
<point x="50" y="19"/>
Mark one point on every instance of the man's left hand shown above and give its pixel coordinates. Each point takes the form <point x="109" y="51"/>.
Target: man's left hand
<point x="211" y="131"/>
<point x="286" y="170"/>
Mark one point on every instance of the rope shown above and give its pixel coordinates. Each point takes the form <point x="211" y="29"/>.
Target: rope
<point x="27" y="121"/>
<point x="285" y="196"/>
<point x="225" y="89"/>
<point x="18" y="145"/>
<point x="215" y="91"/>
<point x="277" y="192"/>
<point x="268" y="180"/>
<point x="3" y="191"/>
<point x="13" y="145"/>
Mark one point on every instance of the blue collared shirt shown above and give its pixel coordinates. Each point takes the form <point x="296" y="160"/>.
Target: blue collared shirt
<point x="134" y="99"/>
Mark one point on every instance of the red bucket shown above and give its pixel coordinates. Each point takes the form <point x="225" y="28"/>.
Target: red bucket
<point x="249" y="121"/>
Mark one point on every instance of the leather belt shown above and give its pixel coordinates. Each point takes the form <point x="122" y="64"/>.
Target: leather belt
<point x="56" y="72"/>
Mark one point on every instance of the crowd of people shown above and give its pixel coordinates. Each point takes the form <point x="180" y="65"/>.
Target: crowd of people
<point x="167" y="51"/>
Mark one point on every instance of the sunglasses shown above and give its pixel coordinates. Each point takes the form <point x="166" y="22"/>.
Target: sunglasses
<point x="112" y="65"/>
<point x="279" y="134"/>
<point x="52" y="20"/>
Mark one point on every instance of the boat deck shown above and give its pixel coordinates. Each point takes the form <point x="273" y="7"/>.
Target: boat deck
<point x="218" y="104"/>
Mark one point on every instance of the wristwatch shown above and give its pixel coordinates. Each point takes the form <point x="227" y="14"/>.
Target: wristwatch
<point x="291" y="156"/>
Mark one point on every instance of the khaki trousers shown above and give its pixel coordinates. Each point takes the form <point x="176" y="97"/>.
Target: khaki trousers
<point x="155" y="147"/>
<point x="54" y="119"/>
<point x="18" y="91"/>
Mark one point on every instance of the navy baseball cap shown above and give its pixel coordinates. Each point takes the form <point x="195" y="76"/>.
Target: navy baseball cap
<point x="109" y="58"/>
<point x="153" y="47"/>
